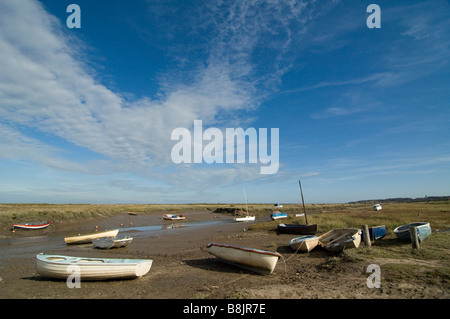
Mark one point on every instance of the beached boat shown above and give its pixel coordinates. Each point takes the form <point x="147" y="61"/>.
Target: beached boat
<point x="278" y="215"/>
<point x="61" y="267"/>
<point x="297" y="229"/>
<point x="84" y="239"/>
<point x="260" y="261"/>
<point x="173" y="217"/>
<point x="246" y="217"/>
<point x="304" y="243"/>
<point x="338" y="239"/>
<point x="423" y="231"/>
<point x="278" y="205"/>
<point x="376" y="232"/>
<point x="38" y="225"/>
<point x="112" y="242"/>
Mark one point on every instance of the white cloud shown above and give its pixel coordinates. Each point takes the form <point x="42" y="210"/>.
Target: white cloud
<point x="45" y="86"/>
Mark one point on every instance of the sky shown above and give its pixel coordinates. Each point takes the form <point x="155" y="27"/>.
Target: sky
<point x="87" y="113"/>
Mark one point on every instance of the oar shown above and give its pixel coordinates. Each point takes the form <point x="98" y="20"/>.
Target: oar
<point x="304" y="209"/>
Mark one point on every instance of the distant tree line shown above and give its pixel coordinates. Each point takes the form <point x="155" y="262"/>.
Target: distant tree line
<point x="403" y="200"/>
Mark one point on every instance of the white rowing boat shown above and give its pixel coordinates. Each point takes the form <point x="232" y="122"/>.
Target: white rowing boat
<point x="84" y="239"/>
<point x="61" y="267"/>
<point x="112" y="242"/>
<point x="260" y="261"/>
<point x="304" y="243"/>
<point x="173" y="217"/>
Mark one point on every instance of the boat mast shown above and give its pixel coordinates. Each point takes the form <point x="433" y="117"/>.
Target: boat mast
<point x="304" y="209"/>
<point x="245" y="196"/>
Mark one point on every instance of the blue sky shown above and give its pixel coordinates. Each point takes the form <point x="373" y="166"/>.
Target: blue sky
<point x="86" y="115"/>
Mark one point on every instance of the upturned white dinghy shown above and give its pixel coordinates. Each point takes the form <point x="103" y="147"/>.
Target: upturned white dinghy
<point x="304" y="243"/>
<point x="260" y="261"/>
<point x="112" y="242"/>
<point x="61" y="267"/>
<point x="84" y="239"/>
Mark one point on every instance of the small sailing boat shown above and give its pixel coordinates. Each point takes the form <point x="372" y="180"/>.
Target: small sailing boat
<point x="299" y="229"/>
<point x="245" y="218"/>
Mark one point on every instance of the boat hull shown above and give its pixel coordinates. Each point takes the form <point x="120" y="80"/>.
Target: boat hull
<point x="85" y="239"/>
<point x="278" y="215"/>
<point x="297" y="229"/>
<point x="376" y="232"/>
<point x="61" y="267"/>
<point x="173" y="217"/>
<point x="39" y="225"/>
<point x="304" y="243"/>
<point x="339" y="239"/>
<point x="112" y="242"/>
<point x="423" y="231"/>
<point x="244" y="219"/>
<point x="259" y="261"/>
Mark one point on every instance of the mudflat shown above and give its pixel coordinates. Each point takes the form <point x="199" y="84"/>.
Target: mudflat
<point x="183" y="269"/>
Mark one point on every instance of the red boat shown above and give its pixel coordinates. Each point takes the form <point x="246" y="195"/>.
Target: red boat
<point x="38" y="225"/>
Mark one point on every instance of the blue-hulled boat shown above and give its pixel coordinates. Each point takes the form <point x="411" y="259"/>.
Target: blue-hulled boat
<point x="278" y="215"/>
<point x="423" y="231"/>
<point x="376" y="232"/>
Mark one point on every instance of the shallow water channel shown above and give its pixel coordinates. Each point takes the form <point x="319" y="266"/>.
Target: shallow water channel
<point x="16" y="247"/>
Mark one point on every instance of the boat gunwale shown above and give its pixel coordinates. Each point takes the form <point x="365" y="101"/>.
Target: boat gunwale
<point x="71" y="260"/>
<point x="254" y="250"/>
<point x="32" y="225"/>
<point x="302" y="238"/>
<point x="408" y="226"/>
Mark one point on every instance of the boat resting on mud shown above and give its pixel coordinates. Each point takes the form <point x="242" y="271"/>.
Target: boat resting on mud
<point x="61" y="267"/>
<point x="37" y="225"/>
<point x="297" y="229"/>
<point x="304" y="243"/>
<point x="423" y="231"/>
<point x="112" y="242"/>
<point x="260" y="261"/>
<point x="338" y="239"/>
<point x="278" y="215"/>
<point x="173" y="217"/>
<point x="84" y="239"/>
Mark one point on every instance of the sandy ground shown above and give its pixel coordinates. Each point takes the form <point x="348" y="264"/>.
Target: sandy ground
<point x="183" y="270"/>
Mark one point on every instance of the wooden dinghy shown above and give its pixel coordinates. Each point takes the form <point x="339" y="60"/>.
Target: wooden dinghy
<point x="338" y="239"/>
<point x="84" y="239"/>
<point x="297" y="229"/>
<point x="38" y="225"/>
<point x="112" y="242"/>
<point x="278" y="215"/>
<point x="260" y="261"/>
<point x="61" y="267"/>
<point x="173" y="217"/>
<point x="423" y="231"/>
<point x="304" y="243"/>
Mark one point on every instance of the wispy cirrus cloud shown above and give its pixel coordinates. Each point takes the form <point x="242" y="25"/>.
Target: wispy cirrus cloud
<point x="46" y="87"/>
